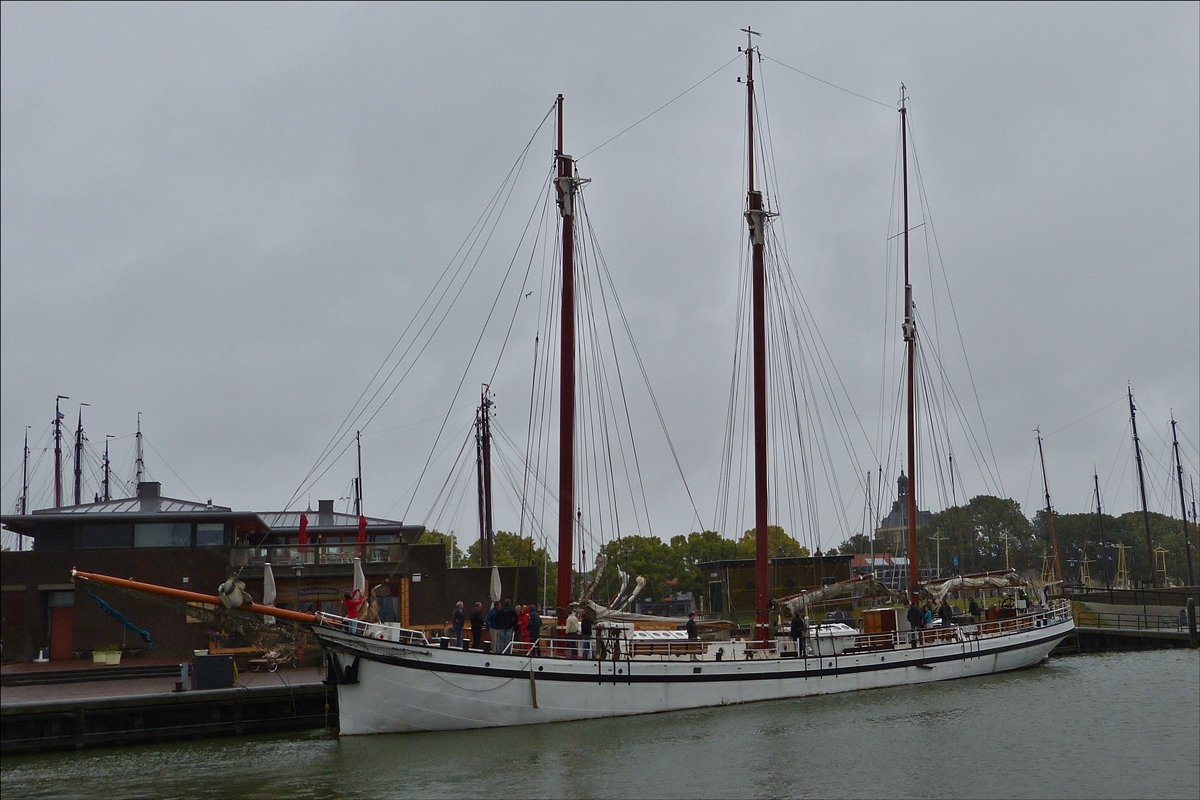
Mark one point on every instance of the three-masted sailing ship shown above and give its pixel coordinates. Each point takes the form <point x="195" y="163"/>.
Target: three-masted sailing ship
<point x="390" y="679"/>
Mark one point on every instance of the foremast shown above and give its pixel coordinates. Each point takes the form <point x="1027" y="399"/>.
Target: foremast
<point x="756" y="218"/>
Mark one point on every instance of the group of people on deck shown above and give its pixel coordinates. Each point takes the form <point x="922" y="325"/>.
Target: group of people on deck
<point x="919" y="617"/>
<point x="504" y="624"/>
<point x="518" y="629"/>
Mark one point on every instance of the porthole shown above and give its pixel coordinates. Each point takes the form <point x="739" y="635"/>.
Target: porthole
<point x="540" y="669"/>
<point x="487" y="663"/>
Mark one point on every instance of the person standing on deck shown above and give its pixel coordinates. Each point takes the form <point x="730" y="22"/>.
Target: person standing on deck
<point x="506" y="621"/>
<point x="535" y="630"/>
<point x="457" y="619"/>
<point x="798" y="626"/>
<point x="477" y="627"/>
<point x="946" y="613"/>
<point x="573" y="635"/>
<point x="974" y="609"/>
<point x="915" y="619"/>
<point x="927" y="615"/>
<point x="523" y="626"/>
<point x="585" y="633"/>
<point x="351" y="602"/>
<point x="489" y="622"/>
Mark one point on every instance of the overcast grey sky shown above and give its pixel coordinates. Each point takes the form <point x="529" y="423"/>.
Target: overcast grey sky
<point x="222" y="216"/>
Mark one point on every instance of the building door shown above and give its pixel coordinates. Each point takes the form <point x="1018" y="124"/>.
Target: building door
<point x="62" y="633"/>
<point x="61" y="616"/>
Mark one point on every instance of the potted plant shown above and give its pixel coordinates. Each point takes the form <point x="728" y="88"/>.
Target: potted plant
<point x="107" y="654"/>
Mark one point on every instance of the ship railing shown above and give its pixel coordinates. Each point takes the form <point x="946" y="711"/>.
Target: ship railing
<point x="1086" y="618"/>
<point x="382" y="631"/>
<point x="1059" y="611"/>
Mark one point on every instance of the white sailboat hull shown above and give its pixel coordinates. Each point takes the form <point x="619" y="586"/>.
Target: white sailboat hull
<point x="404" y="688"/>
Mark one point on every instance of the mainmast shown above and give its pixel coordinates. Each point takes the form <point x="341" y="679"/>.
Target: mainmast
<point x="756" y="218"/>
<point x="483" y="473"/>
<point x="567" y="185"/>
<point x="79" y="440"/>
<point x="1137" y="450"/>
<point x="1049" y="510"/>
<point x="58" y="451"/>
<point x="1187" y="544"/>
<point x="910" y="341"/>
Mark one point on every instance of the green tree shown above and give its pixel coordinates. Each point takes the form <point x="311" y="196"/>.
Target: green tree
<point x="697" y="548"/>
<point x="779" y="544"/>
<point x="511" y="550"/>
<point x="976" y="532"/>
<point x="647" y="556"/>
<point x="449" y="541"/>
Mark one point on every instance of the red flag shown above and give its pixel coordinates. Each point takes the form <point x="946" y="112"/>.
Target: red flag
<point x="362" y="529"/>
<point x="303" y="533"/>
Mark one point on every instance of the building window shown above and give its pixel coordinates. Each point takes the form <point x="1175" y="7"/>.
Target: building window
<point x="210" y="534"/>
<point x="162" y="534"/>
<point x="749" y="586"/>
<point x="97" y="536"/>
<point x="789" y="584"/>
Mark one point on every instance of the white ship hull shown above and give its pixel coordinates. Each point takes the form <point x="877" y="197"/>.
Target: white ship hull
<point x="402" y="688"/>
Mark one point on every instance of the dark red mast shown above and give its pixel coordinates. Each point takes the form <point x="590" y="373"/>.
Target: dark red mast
<point x="756" y="218"/>
<point x="567" y="186"/>
<point x="910" y="340"/>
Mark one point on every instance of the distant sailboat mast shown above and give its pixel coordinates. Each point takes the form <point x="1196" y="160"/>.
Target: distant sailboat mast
<point x="107" y="493"/>
<point x="58" y="451"/>
<point x="25" y="477"/>
<point x="1049" y="510"/>
<point x="140" y="464"/>
<point x="1137" y="450"/>
<point x="79" y="440"/>
<point x="358" y="500"/>
<point x="1101" y="542"/>
<point x="1187" y="543"/>
<point x="910" y="339"/>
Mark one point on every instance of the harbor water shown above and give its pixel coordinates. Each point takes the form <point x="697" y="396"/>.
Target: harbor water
<point x="1112" y="725"/>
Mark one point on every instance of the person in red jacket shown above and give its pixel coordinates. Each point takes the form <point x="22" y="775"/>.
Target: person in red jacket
<point x="523" y="626"/>
<point x="352" y="602"/>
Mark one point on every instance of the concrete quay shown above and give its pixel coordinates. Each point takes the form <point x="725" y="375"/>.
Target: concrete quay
<point x="76" y="707"/>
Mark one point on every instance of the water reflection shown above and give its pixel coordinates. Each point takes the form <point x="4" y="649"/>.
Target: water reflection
<point x="1117" y="725"/>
